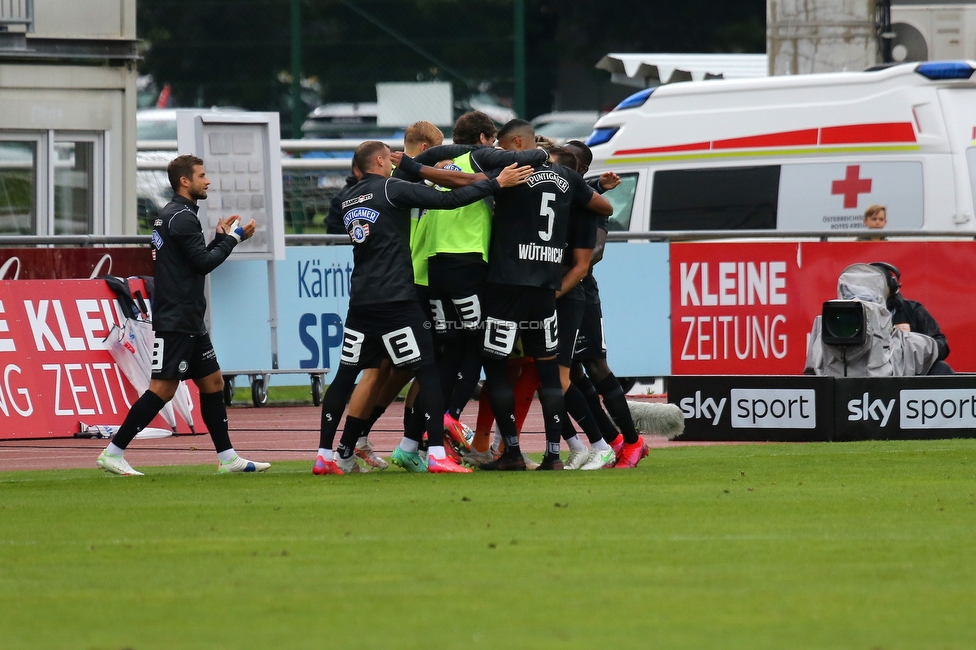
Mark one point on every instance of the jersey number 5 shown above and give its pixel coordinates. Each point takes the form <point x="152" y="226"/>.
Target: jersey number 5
<point x="545" y="210"/>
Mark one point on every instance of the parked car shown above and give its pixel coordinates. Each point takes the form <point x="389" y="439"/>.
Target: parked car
<point x="563" y="126"/>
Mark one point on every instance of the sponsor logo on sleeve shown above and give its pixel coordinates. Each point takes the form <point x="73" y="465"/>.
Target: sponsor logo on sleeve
<point x="356" y="200"/>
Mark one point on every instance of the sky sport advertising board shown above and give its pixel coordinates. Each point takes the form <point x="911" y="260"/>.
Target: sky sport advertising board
<point x="794" y="409"/>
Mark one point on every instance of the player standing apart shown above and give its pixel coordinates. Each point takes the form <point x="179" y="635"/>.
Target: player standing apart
<point x="182" y="347"/>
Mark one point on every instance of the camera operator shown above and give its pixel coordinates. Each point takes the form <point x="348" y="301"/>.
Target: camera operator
<point x="912" y="316"/>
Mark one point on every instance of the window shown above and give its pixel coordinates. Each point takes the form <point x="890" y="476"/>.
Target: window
<point x="74" y="187"/>
<point x="971" y="163"/>
<point x="51" y="183"/>
<point x="622" y="200"/>
<point x="715" y="199"/>
<point x="18" y="187"/>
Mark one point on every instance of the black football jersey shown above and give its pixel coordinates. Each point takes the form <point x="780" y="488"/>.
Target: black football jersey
<point x="582" y="234"/>
<point x="377" y="218"/>
<point x="530" y="226"/>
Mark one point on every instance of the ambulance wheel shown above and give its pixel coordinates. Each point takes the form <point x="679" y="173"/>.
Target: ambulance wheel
<point x="316" y="390"/>
<point x="228" y="391"/>
<point x="259" y="391"/>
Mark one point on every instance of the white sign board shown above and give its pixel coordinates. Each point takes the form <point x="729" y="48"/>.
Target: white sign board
<point x="241" y="153"/>
<point x="402" y="104"/>
<point x="833" y="196"/>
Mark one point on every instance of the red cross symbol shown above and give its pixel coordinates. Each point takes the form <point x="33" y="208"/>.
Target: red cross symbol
<point x="851" y="186"/>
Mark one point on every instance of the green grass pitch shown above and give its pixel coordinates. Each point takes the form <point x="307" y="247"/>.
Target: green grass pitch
<point x="857" y="545"/>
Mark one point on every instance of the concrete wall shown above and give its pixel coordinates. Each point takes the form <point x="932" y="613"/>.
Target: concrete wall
<point x="85" y="19"/>
<point x="820" y="36"/>
<point x="43" y="88"/>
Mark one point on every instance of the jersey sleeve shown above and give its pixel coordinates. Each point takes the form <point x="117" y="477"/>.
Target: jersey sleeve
<point x="490" y="158"/>
<point x="436" y="154"/>
<point x="581" y="192"/>
<point x="402" y="194"/>
<point x="186" y="235"/>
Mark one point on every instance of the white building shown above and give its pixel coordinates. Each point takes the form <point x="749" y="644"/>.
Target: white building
<point x="67" y="117"/>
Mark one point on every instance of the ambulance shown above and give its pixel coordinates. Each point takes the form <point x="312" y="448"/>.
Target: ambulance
<point x="800" y="154"/>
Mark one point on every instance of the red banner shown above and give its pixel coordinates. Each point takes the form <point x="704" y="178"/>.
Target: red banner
<point x="747" y="308"/>
<point x="70" y="263"/>
<point x="55" y="370"/>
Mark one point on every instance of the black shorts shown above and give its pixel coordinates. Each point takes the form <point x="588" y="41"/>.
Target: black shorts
<point x="391" y="330"/>
<point x="457" y="284"/>
<point x="511" y="311"/>
<point x="176" y="355"/>
<point x="590" y="343"/>
<point x="570" y="310"/>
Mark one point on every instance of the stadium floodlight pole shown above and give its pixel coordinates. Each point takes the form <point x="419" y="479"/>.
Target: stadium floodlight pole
<point x="519" y="38"/>
<point x="296" y="70"/>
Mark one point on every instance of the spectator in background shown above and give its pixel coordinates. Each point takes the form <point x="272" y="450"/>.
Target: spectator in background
<point x="911" y="316"/>
<point x="876" y="217"/>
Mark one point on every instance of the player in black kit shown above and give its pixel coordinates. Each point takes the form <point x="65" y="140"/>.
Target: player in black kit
<point x="182" y="346"/>
<point x="591" y="351"/>
<point x="528" y="242"/>
<point x="385" y="320"/>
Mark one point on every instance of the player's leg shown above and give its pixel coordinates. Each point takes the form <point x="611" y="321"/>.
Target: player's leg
<point x="170" y="361"/>
<point x="205" y="372"/>
<point x="542" y="342"/>
<point x="333" y="405"/>
<point x="500" y="334"/>
<point x="570" y="312"/>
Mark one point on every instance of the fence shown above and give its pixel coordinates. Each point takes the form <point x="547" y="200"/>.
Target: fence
<point x="17" y="12"/>
<point x="309" y="183"/>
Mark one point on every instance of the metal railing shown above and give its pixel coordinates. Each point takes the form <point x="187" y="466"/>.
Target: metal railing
<point x="287" y="146"/>
<point x="17" y="12"/>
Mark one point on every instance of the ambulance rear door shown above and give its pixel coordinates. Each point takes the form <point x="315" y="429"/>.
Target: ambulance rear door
<point x="959" y="110"/>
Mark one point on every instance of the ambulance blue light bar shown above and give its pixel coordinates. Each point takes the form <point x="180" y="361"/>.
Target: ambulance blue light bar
<point x="635" y="100"/>
<point x="601" y="135"/>
<point x="945" y="70"/>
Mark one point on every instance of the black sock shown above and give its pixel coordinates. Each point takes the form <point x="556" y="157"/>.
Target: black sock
<point x="616" y="402"/>
<point x="140" y="415"/>
<point x="334" y="404"/>
<point x="502" y="400"/>
<point x="378" y="411"/>
<point x="351" y="432"/>
<point x="468" y="374"/>
<point x="214" y="414"/>
<point x="577" y="407"/>
<point x="553" y="403"/>
<point x="448" y="362"/>
<point x="607" y="428"/>
<point x="431" y="403"/>
<point x="568" y="430"/>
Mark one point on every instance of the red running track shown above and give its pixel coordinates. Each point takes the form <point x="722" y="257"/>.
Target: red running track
<point x="269" y="433"/>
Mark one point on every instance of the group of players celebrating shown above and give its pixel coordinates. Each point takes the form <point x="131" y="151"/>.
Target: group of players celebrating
<point x="471" y="257"/>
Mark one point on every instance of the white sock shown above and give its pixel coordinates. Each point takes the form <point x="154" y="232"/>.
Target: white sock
<point x="326" y="454"/>
<point x="575" y="444"/>
<point x="409" y="446"/>
<point x="227" y="456"/>
<point x="601" y="445"/>
<point x="437" y="452"/>
<point x="114" y="450"/>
